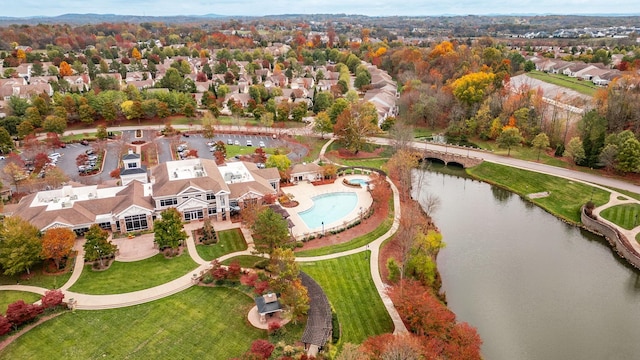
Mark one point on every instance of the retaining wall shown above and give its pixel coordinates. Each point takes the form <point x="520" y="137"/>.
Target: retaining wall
<point x="616" y="239"/>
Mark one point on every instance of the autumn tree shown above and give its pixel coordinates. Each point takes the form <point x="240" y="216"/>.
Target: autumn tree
<point x="355" y="124"/>
<point x="281" y="162"/>
<point x="208" y="234"/>
<point x="472" y="88"/>
<point x="6" y="142"/>
<point x="20" y="245"/>
<point x="65" y="69"/>
<point x="322" y="124"/>
<point x="540" y="142"/>
<point x="286" y="281"/>
<point x="97" y="245"/>
<point x="508" y="138"/>
<point x="575" y="150"/>
<point x="270" y="231"/>
<point x="57" y="243"/>
<point x="168" y="231"/>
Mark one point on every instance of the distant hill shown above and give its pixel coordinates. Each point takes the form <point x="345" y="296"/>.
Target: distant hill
<point x="79" y="19"/>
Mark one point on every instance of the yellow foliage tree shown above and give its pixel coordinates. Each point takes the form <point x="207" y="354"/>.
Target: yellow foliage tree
<point x="135" y="53"/>
<point x="441" y="49"/>
<point x="472" y="88"/>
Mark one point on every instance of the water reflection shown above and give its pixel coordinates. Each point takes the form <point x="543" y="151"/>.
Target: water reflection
<point x="535" y="287"/>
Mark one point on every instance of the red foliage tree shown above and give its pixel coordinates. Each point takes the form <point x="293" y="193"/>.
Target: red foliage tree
<point x="115" y="173"/>
<point x="192" y="153"/>
<point x="52" y="299"/>
<point x="53" y="140"/>
<point x="82" y="159"/>
<point x="234" y="270"/>
<point x="218" y="271"/>
<point x="260" y="287"/>
<point x="249" y="279"/>
<point x="20" y="312"/>
<point x="262" y="347"/>
<point x="40" y="161"/>
<point x="5" y="325"/>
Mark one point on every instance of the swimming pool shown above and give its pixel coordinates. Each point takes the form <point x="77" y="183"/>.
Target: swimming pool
<point x="358" y="181"/>
<point x="329" y="208"/>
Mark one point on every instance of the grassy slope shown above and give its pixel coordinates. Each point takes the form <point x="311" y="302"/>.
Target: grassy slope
<point x="350" y="289"/>
<point x="583" y="87"/>
<point x="566" y="196"/>
<point x="228" y="241"/>
<point x="198" y="323"/>
<point x="123" y="277"/>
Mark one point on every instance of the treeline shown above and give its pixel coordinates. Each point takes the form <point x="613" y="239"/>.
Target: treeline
<point x="466" y="90"/>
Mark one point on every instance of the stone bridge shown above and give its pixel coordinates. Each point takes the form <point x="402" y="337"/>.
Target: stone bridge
<point x="450" y="158"/>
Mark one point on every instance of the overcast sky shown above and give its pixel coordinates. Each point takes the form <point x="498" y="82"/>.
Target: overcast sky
<point x="26" y="8"/>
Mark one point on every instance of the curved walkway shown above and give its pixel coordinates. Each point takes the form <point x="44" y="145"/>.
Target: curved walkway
<point x="96" y="302"/>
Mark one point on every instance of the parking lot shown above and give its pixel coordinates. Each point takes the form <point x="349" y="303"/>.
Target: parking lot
<point x="199" y="143"/>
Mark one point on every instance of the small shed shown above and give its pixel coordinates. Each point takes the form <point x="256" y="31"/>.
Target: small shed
<point x="267" y="304"/>
<point x="306" y="172"/>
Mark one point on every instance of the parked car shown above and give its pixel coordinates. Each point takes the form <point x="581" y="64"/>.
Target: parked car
<point x="54" y="155"/>
<point x="249" y="143"/>
<point x="2" y="157"/>
<point x="92" y="157"/>
<point x="89" y="152"/>
<point x="229" y="142"/>
<point x="182" y="147"/>
<point x="185" y="134"/>
<point x="237" y="143"/>
<point x="84" y="142"/>
<point x="262" y="144"/>
<point x="63" y="145"/>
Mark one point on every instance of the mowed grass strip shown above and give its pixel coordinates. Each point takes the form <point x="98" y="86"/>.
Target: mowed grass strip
<point x="583" y="87"/>
<point x="38" y="278"/>
<point x="198" y="323"/>
<point x="347" y="283"/>
<point x="245" y="261"/>
<point x="566" y="196"/>
<point x="625" y="215"/>
<point x="355" y="243"/>
<point x="228" y="241"/>
<point x="124" y="277"/>
<point x="8" y="296"/>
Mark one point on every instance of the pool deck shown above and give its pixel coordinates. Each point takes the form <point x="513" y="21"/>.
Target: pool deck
<point x="304" y="191"/>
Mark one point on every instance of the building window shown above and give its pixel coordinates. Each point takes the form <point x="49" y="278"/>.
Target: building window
<point x="132" y="165"/>
<point x="105" y="225"/>
<point x="136" y="222"/>
<point x="212" y="211"/>
<point x="168" y="202"/>
<point x="193" y="215"/>
<point x="274" y="185"/>
<point x="211" y="196"/>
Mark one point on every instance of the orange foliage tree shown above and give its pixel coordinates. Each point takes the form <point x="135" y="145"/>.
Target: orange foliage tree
<point x="57" y="243"/>
<point x="65" y="69"/>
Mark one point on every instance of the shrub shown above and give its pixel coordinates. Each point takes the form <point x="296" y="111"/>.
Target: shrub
<point x="52" y="299"/>
<point x="207" y="278"/>
<point x="262" y="348"/>
<point x="394" y="270"/>
<point x="5" y="325"/>
<point x="335" y="327"/>
<point x="20" y="312"/>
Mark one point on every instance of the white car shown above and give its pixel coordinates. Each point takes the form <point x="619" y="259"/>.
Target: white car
<point x="249" y="143"/>
<point x="262" y="144"/>
<point x="2" y="157"/>
<point x="54" y="156"/>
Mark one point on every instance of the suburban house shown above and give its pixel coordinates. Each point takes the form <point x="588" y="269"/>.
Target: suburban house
<point x="197" y="188"/>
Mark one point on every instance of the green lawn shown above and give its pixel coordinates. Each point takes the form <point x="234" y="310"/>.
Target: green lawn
<point x="198" y="323"/>
<point x="123" y="277"/>
<point x="625" y="215"/>
<point x="7" y="297"/>
<point x="80" y="134"/>
<point x="583" y="87"/>
<point x="38" y="278"/>
<point x="315" y="145"/>
<point x="228" y="241"/>
<point x="523" y="153"/>
<point x="246" y="261"/>
<point x="354" y="243"/>
<point x="566" y="196"/>
<point x="350" y="289"/>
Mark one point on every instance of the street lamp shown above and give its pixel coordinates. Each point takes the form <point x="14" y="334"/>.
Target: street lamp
<point x="322" y="228"/>
<point x="360" y="214"/>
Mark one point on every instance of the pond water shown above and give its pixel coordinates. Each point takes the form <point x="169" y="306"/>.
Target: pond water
<point x="533" y="286"/>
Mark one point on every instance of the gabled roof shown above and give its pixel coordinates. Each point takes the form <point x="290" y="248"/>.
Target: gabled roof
<point x="165" y="186"/>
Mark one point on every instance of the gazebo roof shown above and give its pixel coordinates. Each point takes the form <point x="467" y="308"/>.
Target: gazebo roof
<point x="267" y="304"/>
